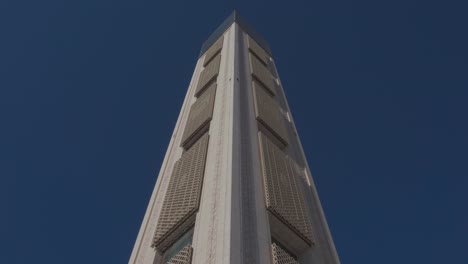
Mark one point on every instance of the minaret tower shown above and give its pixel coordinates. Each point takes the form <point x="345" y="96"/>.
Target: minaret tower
<point x="234" y="186"/>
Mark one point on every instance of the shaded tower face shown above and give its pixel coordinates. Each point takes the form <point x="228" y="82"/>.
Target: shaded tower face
<point x="234" y="186"/>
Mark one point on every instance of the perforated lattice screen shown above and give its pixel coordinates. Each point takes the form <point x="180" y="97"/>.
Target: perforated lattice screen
<point x="183" y="257"/>
<point x="257" y="50"/>
<point x="213" y="50"/>
<point x="281" y="256"/>
<point x="284" y="197"/>
<point x="261" y="73"/>
<point x="183" y="194"/>
<point x="200" y="115"/>
<point x="268" y="112"/>
<point x="208" y="75"/>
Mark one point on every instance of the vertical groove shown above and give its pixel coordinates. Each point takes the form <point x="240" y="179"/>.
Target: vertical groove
<point x="248" y="214"/>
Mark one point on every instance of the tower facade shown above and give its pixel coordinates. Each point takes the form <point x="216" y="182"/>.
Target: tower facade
<point x="234" y="186"/>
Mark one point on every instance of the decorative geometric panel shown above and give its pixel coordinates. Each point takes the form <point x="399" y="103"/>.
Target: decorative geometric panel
<point x="200" y="115"/>
<point x="208" y="75"/>
<point x="284" y="198"/>
<point x="261" y="73"/>
<point x="213" y="50"/>
<point x="281" y="256"/>
<point x="258" y="51"/>
<point x="183" y="195"/>
<point x="268" y="113"/>
<point x="183" y="257"/>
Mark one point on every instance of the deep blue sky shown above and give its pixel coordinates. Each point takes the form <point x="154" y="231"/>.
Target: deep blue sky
<point x="90" y="92"/>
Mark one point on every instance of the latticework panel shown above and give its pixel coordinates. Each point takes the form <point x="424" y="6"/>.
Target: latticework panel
<point x="281" y="256"/>
<point x="200" y="115"/>
<point x="284" y="198"/>
<point x="183" y="195"/>
<point x="258" y="51"/>
<point x="268" y="112"/>
<point x="213" y="50"/>
<point x="208" y="75"/>
<point x="261" y="73"/>
<point x="183" y="257"/>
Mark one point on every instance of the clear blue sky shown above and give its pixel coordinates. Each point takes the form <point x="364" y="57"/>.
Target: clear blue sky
<point x="90" y="92"/>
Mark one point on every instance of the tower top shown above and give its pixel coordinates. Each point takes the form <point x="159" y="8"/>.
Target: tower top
<point x="235" y="18"/>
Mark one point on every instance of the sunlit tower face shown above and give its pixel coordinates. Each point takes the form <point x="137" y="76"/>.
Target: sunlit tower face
<point x="234" y="186"/>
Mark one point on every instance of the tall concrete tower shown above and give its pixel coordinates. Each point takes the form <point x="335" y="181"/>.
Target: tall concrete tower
<point x="234" y="186"/>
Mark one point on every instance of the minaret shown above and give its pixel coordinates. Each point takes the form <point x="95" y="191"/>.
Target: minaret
<point x="234" y="186"/>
